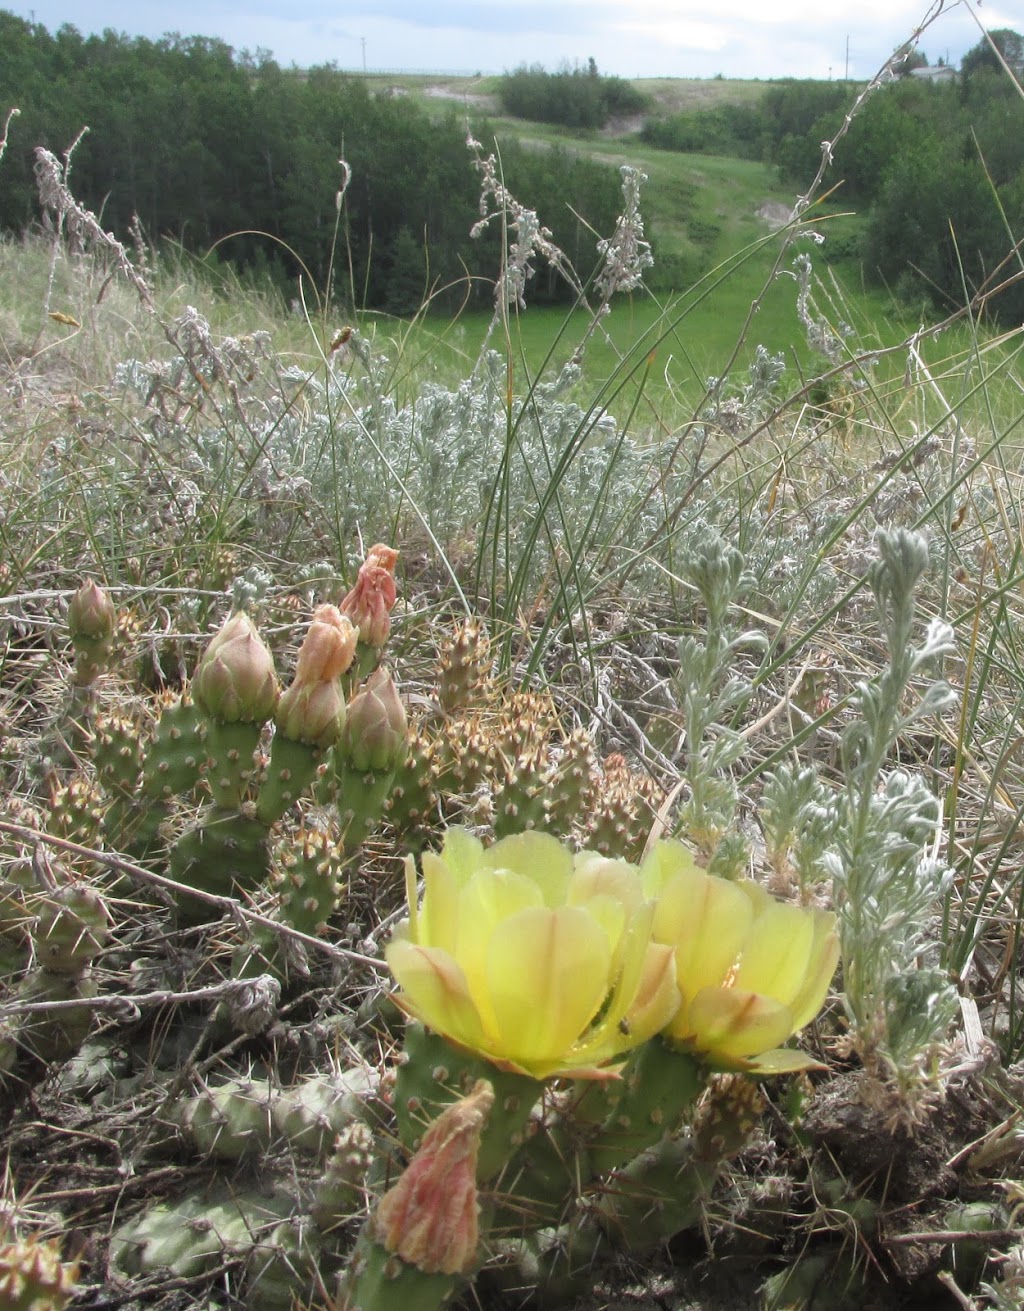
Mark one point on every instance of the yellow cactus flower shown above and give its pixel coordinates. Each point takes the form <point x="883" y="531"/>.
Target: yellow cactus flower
<point x="538" y="960"/>
<point x="751" y="970"/>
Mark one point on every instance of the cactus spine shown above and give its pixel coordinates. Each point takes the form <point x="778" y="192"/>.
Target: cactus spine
<point x="33" y="1277"/>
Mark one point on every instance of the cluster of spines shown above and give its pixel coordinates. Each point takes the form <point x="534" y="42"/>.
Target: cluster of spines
<point x="117" y="752"/>
<point x="117" y="758"/>
<point x="306" y="873"/>
<point x="504" y="758"/>
<point x="465" y="665"/>
<point x="32" y="1275"/>
<point x="571" y="785"/>
<point x="518" y="797"/>
<point x="623" y="809"/>
<point x="77" y="810"/>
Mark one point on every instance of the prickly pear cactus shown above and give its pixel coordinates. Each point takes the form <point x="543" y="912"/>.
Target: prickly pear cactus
<point x="465" y="667"/>
<point x="307" y="873"/>
<point x="69" y="928"/>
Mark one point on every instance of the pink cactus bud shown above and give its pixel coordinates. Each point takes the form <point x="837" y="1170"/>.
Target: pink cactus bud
<point x="235" y="680"/>
<point x="329" y="646"/>
<point x="430" y="1217"/>
<point x="376" y="734"/>
<point x="370" y="602"/>
<point x="313" y="713"/>
<point x="91" y="614"/>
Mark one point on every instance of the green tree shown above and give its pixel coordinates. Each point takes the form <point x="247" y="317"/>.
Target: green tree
<point x="938" y="221"/>
<point x="406" y="274"/>
<point x="982" y="58"/>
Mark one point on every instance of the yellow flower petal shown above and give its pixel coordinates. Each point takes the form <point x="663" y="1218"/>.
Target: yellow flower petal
<point x="824" y="959"/>
<point x="709" y="921"/>
<point x="462" y="853"/>
<point x="539" y="857"/>
<point x="547" y="977"/>
<point x="434" y="990"/>
<point x="776" y="955"/>
<point x="781" y="1060"/>
<point x="490" y="897"/>
<point x="728" y="1024"/>
<point x="436" y="920"/>
<point x="656" y="999"/>
<point x="633" y="957"/>
<point x="595" y="875"/>
<point x="662" y="863"/>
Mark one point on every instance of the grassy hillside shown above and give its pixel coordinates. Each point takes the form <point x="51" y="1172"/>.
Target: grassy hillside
<point x="712" y="219"/>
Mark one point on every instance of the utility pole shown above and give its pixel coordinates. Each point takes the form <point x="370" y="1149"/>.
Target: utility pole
<point x="363" y="39"/>
<point x="846" y="76"/>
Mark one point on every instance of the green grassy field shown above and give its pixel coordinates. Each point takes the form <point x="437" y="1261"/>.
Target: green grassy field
<point x="708" y="213"/>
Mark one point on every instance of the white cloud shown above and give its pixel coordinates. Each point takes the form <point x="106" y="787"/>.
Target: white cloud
<point x="684" y="38"/>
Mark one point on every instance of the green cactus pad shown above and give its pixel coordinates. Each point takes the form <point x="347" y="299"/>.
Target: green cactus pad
<point x="71" y="929"/>
<point x="657" y="1090"/>
<point x="412" y="803"/>
<point x="222" y="853"/>
<point x="229" y="1121"/>
<point x="310" y="1115"/>
<point x="283" y="1269"/>
<point x="341" y="1189"/>
<point x="381" y="1282"/>
<point x="231" y="749"/>
<point x="197" y="1234"/>
<point x="433" y="1073"/>
<point x="360" y="799"/>
<point x="292" y="768"/>
<point x="50" y="1037"/>
<point x="660" y="1193"/>
<point x="177" y="753"/>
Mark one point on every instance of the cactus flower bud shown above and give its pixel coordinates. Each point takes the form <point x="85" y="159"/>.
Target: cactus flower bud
<point x="329" y="646"/>
<point x="371" y="600"/>
<point x="376" y="735"/>
<point x="235" y="680"/>
<point x="313" y="713"/>
<point x="91" y="614"/>
<point x="429" y="1219"/>
<point x="236" y="625"/>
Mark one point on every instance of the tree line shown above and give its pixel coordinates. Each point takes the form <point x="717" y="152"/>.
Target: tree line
<point x="579" y="97"/>
<point x="935" y="167"/>
<point x="206" y="146"/>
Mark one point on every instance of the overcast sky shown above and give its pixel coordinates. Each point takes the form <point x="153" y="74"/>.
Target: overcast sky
<point x="634" y="38"/>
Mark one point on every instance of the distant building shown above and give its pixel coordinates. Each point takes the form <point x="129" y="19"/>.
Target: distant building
<point x="936" y="73"/>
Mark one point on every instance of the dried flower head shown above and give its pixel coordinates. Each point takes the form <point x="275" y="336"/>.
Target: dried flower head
<point x="429" y="1218"/>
